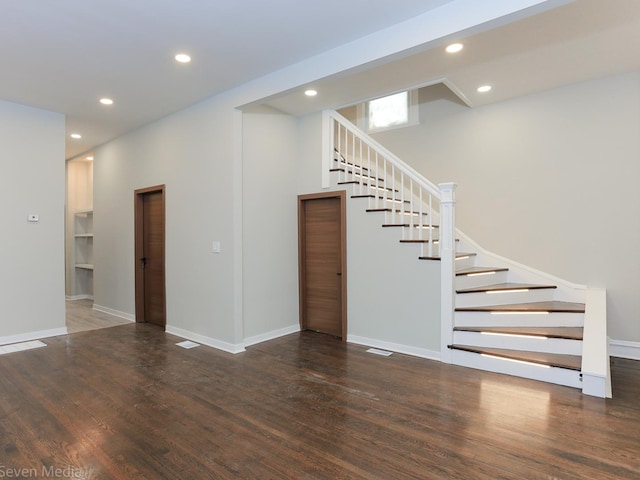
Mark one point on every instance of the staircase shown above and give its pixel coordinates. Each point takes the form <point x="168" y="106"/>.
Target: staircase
<point x="498" y="315"/>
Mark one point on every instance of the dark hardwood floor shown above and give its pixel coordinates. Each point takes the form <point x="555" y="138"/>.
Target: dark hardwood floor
<point x="127" y="403"/>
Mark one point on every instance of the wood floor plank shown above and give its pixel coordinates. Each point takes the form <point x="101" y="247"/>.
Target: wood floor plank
<point x="81" y="317"/>
<point x="127" y="403"/>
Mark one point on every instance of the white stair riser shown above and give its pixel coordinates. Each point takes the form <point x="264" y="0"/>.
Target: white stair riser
<point x="462" y="263"/>
<point x="560" y="376"/>
<point x="503" y="298"/>
<point x="486" y="319"/>
<point x="529" y="344"/>
<point x="466" y="281"/>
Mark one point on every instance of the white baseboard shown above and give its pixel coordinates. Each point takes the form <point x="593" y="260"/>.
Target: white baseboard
<point x="25" y="337"/>
<point x="395" y="347"/>
<point x="78" y="297"/>
<point x="115" y="313"/>
<point x="281" y="332"/>
<point x="210" y="342"/>
<point x="624" y="349"/>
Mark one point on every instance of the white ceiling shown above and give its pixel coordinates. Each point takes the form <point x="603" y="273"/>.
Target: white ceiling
<point x="64" y="55"/>
<point x="580" y="41"/>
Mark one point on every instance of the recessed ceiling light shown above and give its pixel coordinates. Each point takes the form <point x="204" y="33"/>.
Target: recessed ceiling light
<point x="454" y="48"/>
<point x="182" y="58"/>
<point x="106" y="101"/>
<point x="311" y="92"/>
<point x="90" y="158"/>
<point x="75" y="135"/>
<point x="484" y="88"/>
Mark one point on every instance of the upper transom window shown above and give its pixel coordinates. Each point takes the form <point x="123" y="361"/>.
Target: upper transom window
<point x="392" y="111"/>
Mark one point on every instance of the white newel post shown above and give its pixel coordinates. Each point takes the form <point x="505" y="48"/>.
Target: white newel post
<point x="447" y="275"/>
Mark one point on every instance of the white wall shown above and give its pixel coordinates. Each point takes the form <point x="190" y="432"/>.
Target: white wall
<point x="32" y="182"/>
<point x="270" y="234"/>
<point x="197" y="153"/>
<point x="191" y="153"/>
<point x="549" y="180"/>
<point x="393" y="298"/>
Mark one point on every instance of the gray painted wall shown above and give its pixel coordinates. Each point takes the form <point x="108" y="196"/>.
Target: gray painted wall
<point x="191" y="153"/>
<point x="393" y="297"/>
<point x="32" y="182"/>
<point x="270" y="233"/>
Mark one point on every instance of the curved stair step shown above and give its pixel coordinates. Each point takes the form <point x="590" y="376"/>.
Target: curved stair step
<point x="505" y="287"/>
<point x="568" y="333"/>
<point x="459" y="256"/>
<point x="480" y="271"/>
<point x="569" y="362"/>
<point x="533" y="307"/>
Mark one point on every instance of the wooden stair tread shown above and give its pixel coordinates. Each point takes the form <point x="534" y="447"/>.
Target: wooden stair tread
<point x="569" y="333"/>
<point x="368" y="185"/>
<point x="406" y="212"/>
<point x="352" y="172"/>
<point x="390" y="199"/>
<point x="421" y="240"/>
<point x="458" y="255"/>
<point x="351" y="165"/>
<point x="505" y="286"/>
<point x="570" y="362"/>
<point x="467" y="271"/>
<point x="343" y="161"/>
<point x="415" y="225"/>
<point x="550" y="306"/>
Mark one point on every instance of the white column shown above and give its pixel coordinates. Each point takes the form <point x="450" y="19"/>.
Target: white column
<point x="447" y="265"/>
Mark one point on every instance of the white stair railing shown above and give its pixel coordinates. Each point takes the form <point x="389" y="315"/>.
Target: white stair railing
<point x="424" y="211"/>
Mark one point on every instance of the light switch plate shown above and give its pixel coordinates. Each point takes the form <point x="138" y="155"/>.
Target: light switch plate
<point x="215" y="247"/>
<point x="32" y="218"/>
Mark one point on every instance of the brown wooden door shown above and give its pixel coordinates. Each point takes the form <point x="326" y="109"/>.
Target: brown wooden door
<point x="322" y="265"/>
<point x="150" y="259"/>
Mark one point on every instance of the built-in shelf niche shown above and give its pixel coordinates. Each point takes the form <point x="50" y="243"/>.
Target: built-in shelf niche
<point x="79" y="229"/>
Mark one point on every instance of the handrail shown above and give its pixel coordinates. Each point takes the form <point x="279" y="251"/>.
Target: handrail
<point x="405" y="196"/>
<point x="432" y="188"/>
